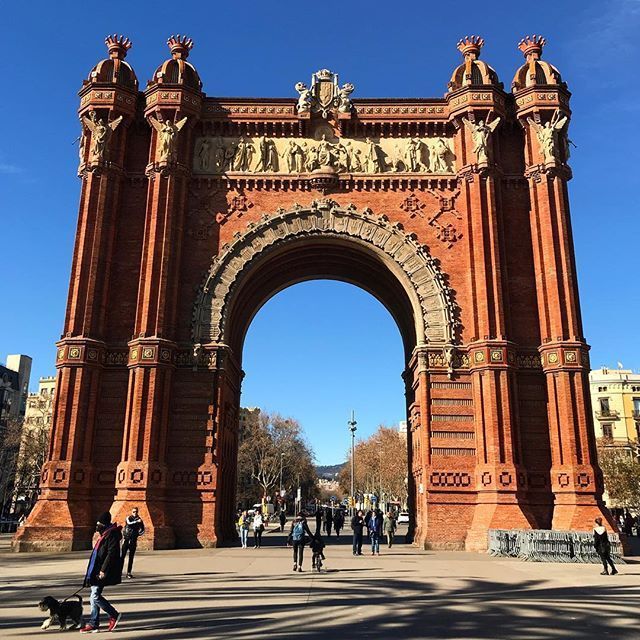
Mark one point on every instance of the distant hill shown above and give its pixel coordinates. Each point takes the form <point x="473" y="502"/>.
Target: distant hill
<point x="329" y="471"/>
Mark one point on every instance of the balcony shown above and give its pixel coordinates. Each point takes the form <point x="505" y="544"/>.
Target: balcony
<point x="608" y="414"/>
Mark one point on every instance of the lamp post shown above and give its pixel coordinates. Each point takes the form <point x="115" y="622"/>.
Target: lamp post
<point x="281" y="459"/>
<point x="352" y="427"/>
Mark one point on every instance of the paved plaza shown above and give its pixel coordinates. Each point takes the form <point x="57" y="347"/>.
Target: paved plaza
<point x="403" y="593"/>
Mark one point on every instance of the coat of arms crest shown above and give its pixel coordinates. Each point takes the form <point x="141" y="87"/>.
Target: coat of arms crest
<point x="325" y="94"/>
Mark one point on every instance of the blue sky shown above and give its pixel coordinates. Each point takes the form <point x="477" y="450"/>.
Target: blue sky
<point x="335" y="360"/>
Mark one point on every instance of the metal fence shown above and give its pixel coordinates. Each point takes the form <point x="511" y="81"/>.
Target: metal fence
<point x="542" y="545"/>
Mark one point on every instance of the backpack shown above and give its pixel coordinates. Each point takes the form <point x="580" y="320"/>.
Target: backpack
<point x="298" y="532"/>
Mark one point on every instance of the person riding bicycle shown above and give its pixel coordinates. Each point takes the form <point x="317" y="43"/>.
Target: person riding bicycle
<point x="317" y="547"/>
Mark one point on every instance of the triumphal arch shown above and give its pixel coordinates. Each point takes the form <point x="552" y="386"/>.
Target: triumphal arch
<point x="194" y="210"/>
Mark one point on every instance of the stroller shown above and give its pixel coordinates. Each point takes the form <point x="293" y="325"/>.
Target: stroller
<point x="317" y="546"/>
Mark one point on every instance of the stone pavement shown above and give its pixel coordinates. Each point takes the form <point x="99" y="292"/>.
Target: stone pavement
<point x="403" y="593"/>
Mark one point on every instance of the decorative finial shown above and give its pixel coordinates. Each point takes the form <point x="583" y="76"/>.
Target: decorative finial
<point x="180" y="46"/>
<point x="532" y="46"/>
<point x="470" y="46"/>
<point x="118" y="46"/>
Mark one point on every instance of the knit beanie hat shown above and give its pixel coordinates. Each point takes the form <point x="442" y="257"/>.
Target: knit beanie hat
<point x="105" y="519"/>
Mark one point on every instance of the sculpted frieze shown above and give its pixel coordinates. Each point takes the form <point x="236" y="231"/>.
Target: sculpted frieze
<point x="243" y="154"/>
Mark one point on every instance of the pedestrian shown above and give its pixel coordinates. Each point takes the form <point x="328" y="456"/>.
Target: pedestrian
<point x="258" y="528"/>
<point x="603" y="547"/>
<point x="628" y="523"/>
<point x="298" y="539"/>
<point x="357" y="525"/>
<point x="317" y="547"/>
<point x="389" y="528"/>
<point x="374" y="525"/>
<point x="338" y="522"/>
<point x="133" y="529"/>
<point x="283" y="519"/>
<point x="318" y="518"/>
<point x="328" y="522"/>
<point x="104" y="570"/>
<point x="243" y="528"/>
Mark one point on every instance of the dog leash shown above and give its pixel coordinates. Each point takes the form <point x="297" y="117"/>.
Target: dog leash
<point x="73" y="595"/>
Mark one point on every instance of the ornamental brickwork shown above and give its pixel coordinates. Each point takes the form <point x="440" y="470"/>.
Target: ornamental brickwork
<point x="194" y="210"/>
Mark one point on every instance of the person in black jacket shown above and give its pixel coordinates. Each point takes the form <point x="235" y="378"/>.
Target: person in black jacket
<point x="603" y="547"/>
<point x="298" y="539"/>
<point x="133" y="529"/>
<point x="357" y="524"/>
<point x="104" y="569"/>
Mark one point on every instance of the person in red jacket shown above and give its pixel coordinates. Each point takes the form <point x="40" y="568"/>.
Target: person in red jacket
<point x="104" y="569"/>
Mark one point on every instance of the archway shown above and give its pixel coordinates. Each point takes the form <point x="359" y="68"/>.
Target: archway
<point x="321" y="241"/>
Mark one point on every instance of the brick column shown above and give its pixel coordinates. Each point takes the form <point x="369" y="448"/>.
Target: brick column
<point x="576" y="480"/>
<point x="142" y="474"/>
<point x="64" y="516"/>
<point x="501" y="501"/>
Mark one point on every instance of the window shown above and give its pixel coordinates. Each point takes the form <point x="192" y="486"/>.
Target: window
<point x="607" y="431"/>
<point x="635" y="389"/>
<point x="602" y="389"/>
<point x="636" y="407"/>
<point x="604" y="406"/>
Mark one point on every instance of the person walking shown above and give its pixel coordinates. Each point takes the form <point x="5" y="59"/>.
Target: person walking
<point x="328" y="522"/>
<point x="603" y="547"/>
<point x="133" y="529"/>
<point x="318" y="518"/>
<point x="375" y="531"/>
<point x="258" y="528"/>
<point x="243" y="528"/>
<point x="283" y="519"/>
<point x="357" y="525"/>
<point x="628" y="524"/>
<point x="389" y="528"/>
<point x="338" y="522"/>
<point x="104" y="570"/>
<point x="298" y="539"/>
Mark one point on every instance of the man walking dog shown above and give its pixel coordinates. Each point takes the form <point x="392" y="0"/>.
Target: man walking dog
<point x="105" y="569"/>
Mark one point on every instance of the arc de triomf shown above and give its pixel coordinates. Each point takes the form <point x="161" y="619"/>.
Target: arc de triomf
<point x="195" y="210"/>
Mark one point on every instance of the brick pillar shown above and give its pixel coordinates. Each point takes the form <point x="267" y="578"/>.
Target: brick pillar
<point x="63" y="519"/>
<point x="142" y="474"/>
<point x="576" y="480"/>
<point x="501" y="500"/>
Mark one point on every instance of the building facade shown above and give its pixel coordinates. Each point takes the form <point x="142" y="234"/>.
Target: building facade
<point x="615" y="400"/>
<point x="453" y="211"/>
<point x="14" y="387"/>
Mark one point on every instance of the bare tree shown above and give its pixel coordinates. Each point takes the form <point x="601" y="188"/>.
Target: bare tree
<point x="267" y="445"/>
<point x="10" y="435"/>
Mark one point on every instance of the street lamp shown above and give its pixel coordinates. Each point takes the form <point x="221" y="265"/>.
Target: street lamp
<point x="352" y="427"/>
<point x="281" y="459"/>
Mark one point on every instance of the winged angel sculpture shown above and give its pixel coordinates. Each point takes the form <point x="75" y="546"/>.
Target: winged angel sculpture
<point x="167" y="137"/>
<point x="547" y="135"/>
<point x="480" y="134"/>
<point x="100" y="135"/>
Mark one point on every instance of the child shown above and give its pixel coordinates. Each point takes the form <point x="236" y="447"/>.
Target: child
<point x="317" y="546"/>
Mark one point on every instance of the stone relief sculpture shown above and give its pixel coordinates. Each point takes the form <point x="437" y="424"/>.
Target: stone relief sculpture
<point x="548" y="138"/>
<point x="344" y="102"/>
<point x="167" y="136"/>
<point x="217" y="155"/>
<point x="100" y="135"/>
<point x="305" y="97"/>
<point x="480" y="134"/>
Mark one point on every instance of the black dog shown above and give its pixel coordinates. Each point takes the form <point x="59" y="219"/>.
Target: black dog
<point x="60" y="611"/>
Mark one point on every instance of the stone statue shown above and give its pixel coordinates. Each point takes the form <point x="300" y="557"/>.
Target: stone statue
<point x="343" y="153"/>
<point x="480" y="134"/>
<point x="82" y="142"/>
<point x="356" y="161"/>
<point x="268" y="155"/>
<point x="229" y="155"/>
<point x="204" y="154"/>
<point x="167" y="137"/>
<point x="312" y="159"/>
<point x="243" y="155"/>
<point x="413" y="156"/>
<point x="305" y="100"/>
<point x="373" y="157"/>
<point x="441" y="157"/>
<point x="547" y="135"/>
<point x="396" y="158"/>
<point x="344" y="101"/>
<point x="294" y="156"/>
<point x="100" y="135"/>
<point x="325" y="152"/>
<point x="219" y="156"/>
